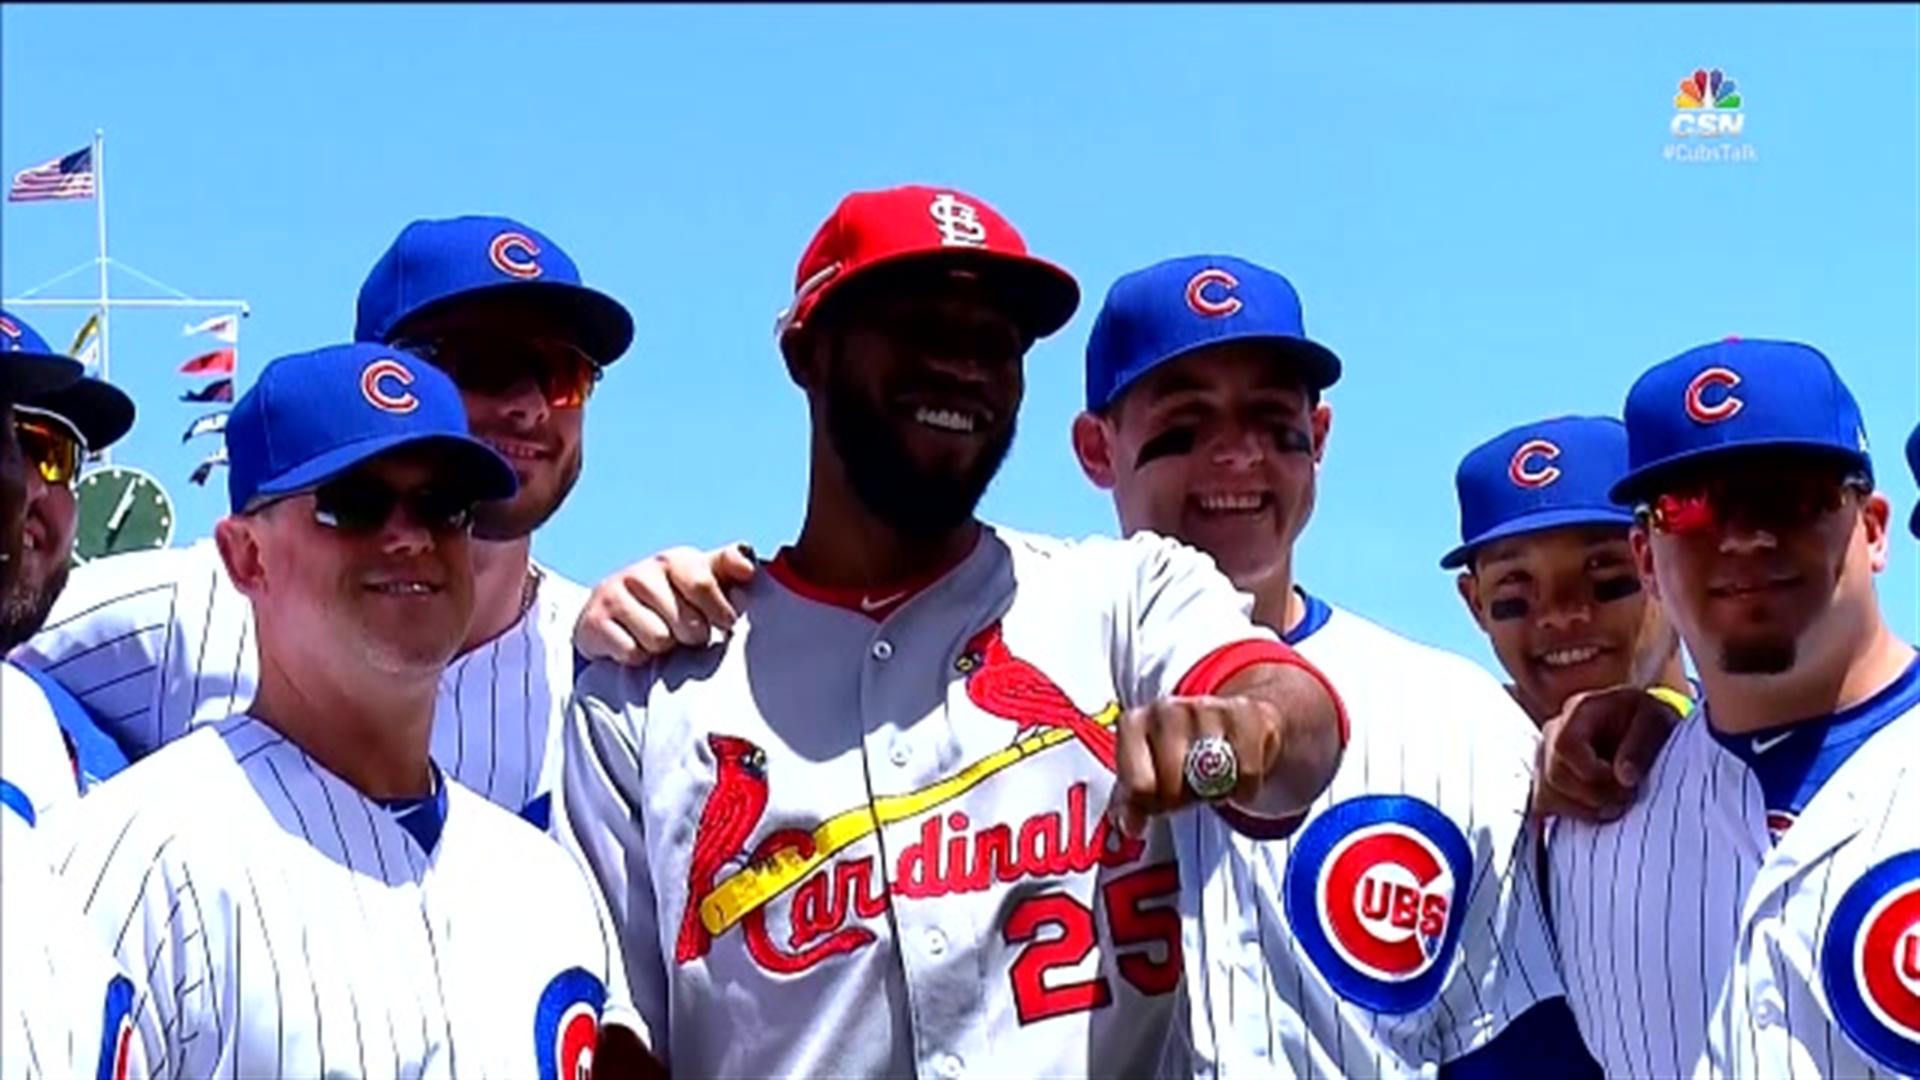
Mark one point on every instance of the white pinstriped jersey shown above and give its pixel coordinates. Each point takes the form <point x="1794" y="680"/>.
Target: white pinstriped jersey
<point x="33" y="756"/>
<point x="276" y="922"/>
<point x="156" y="642"/>
<point x="726" y="799"/>
<point x="1826" y="967"/>
<point x="1709" y="909"/>
<point x="65" y="1006"/>
<point x="1399" y="926"/>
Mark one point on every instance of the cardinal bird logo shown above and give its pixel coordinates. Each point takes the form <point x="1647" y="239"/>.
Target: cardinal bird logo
<point x="732" y="811"/>
<point x="1013" y="689"/>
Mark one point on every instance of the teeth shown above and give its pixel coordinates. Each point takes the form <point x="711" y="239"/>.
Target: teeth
<point x="1570" y="657"/>
<point x="944" y="419"/>
<point x="522" y="451"/>
<point x="1228" y="504"/>
<point x="404" y="588"/>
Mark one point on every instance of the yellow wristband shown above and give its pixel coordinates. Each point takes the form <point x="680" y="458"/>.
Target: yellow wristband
<point x="1673" y="699"/>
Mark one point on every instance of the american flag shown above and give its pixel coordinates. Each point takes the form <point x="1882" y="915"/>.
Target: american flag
<point x="70" y="177"/>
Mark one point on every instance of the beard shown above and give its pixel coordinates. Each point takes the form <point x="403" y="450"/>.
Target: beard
<point x="920" y="504"/>
<point x="530" y="507"/>
<point x="24" y="608"/>
<point x="1758" y="656"/>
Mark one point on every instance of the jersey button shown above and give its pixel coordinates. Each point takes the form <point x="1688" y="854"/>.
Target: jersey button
<point x="949" y="1066"/>
<point x="899" y="754"/>
<point x="936" y="943"/>
<point x="883" y="649"/>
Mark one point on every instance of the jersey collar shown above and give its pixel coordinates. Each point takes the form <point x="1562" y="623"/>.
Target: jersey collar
<point x="876" y="602"/>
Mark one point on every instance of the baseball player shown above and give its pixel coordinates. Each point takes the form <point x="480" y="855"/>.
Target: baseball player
<point x="1204" y="417"/>
<point x="865" y="835"/>
<point x="300" y="890"/>
<point x="1545" y="569"/>
<point x="48" y="737"/>
<point x="157" y="642"/>
<point x="63" y="1002"/>
<point x="1546" y="573"/>
<point x="1753" y="913"/>
<point x="1395" y="930"/>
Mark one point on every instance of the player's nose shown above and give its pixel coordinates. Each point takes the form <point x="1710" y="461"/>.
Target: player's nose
<point x="1236" y="445"/>
<point x="1565" y="607"/>
<point x="524" y="404"/>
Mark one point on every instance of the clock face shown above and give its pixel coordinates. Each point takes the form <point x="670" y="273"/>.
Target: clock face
<point x="121" y="509"/>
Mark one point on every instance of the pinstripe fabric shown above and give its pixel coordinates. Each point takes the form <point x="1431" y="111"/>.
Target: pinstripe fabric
<point x="56" y="978"/>
<point x="276" y="922"/>
<point x="1691" y="942"/>
<point x="1263" y="1002"/>
<point x="154" y="643"/>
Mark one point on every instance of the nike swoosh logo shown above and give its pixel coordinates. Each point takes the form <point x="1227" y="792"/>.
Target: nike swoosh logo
<point x="1761" y="746"/>
<point x="869" y="604"/>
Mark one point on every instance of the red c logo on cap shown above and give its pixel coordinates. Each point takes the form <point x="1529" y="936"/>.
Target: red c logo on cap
<point x="9" y="328"/>
<point x="501" y="254"/>
<point x="1698" y="408"/>
<point x="381" y="398"/>
<point x="1202" y="305"/>
<point x="1522" y="471"/>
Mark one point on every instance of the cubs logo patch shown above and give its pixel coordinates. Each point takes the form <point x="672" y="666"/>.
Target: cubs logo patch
<point x="1870" y="963"/>
<point x="1710" y="397"/>
<point x="513" y="254"/>
<point x="116" y="1031"/>
<point x="1210" y="294"/>
<point x="566" y="1025"/>
<point x="1373" y="892"/>
<point x="384" y="384"/>
<point x="1532" y="465"/>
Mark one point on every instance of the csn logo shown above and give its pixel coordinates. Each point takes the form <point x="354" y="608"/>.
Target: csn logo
<point x="1707" y="106"/>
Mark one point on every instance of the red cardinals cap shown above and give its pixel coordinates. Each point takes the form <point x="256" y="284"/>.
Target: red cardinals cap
<point x="913" y="224"/>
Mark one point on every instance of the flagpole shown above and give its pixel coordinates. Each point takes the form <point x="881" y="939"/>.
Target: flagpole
<point x="100" y="234"/>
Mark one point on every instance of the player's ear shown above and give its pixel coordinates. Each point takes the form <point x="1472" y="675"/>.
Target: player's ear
<point x="1469" y="587"/>
<point x="1875" y="511"/>
<point x="807" y="353"/>
<point x="1093" y="445"/>
<point x="1641" y="544"/>
<point x="240" y="553"/>
<point x="1322" y="427"/>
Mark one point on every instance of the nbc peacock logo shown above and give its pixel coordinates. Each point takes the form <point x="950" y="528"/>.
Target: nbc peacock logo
<point x="1708" y="105"/>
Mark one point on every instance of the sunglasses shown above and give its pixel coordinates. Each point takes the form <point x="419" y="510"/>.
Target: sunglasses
<point x="489" y="366"/>
<point x="1783" y="500"/>
<point x="49" y="445"/>
<point x="362" y="506"/>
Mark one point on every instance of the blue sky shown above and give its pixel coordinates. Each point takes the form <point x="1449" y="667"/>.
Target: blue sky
<point x="1472" y="201"/>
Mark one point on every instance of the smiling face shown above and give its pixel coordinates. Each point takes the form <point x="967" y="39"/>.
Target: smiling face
<point x="393" y="598"/>
<point x="516" y="416"/>
<point x="1564" y="611"/>
<point x="1220" y="449"/>
<point x="46" y="552"/>
<point x="917" y="385"/>
<point x="1764" y="560"/>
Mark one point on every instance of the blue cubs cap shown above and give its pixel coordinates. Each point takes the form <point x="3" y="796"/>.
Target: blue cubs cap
<point x="28" y="366"/>
<point x="435" y="263"/>
<point x="1913" y="462"/>
<point x="1549" y="475"/>
<point x="1738" y="395"/>
<point x="1162" y="313"/>
<point x="312" y="416"/>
